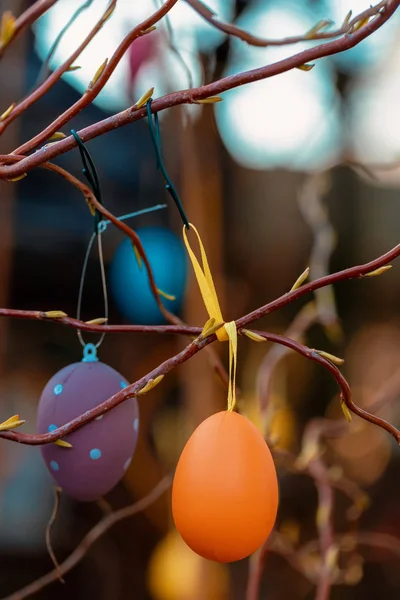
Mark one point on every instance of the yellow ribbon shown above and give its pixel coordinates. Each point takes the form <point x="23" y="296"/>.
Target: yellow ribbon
<point x="227" y="332"/>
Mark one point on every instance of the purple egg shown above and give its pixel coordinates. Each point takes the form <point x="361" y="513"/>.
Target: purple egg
<point x="102" y="449"/>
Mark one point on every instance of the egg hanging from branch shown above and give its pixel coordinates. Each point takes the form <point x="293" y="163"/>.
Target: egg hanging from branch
<point x="102" y="449"/>
<point x="129" y="280"/>
<point x="225" y="490"/>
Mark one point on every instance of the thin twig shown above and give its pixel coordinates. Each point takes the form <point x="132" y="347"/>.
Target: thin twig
<point x="316" y="216"/>
<point x="28" y="17"/>
<point x="90" y="538"/>
<point x="191" y="96"/>
<point x="204" y="11"/>
<point x="44" y="87"/>
<point x="92" y="92"/>
<point x="53" y="517"/>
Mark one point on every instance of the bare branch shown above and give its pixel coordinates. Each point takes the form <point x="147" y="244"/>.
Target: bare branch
<point x="28" y="17"/>
<point x="191" y="96"/>
<point x="204" y="11"/>
<point x="93" y="91"/>
<point x="57" y="74"/>
<point x="90" y="538"/>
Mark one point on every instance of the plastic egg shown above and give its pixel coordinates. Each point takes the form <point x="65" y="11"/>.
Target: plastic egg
<point x="225" y="490"/>
<point x="102" y="449"/>
<point x="129" y="282"/>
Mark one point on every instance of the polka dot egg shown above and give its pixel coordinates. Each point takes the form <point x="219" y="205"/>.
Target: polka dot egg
<point x="101" y="450"/>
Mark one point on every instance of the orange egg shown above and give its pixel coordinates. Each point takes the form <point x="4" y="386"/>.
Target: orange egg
<point x="225" y="490"/>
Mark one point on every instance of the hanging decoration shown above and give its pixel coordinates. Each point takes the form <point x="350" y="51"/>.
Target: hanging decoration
<point x="129" y="282"/>
<point x="225" y="489"/>
<point x="89" y="462"/>
<point x="101" y="450"/>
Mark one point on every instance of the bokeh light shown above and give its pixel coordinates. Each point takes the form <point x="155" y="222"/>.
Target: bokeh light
<point x="164" y="71"/>
<point x="177" y="573"/>
<point x="369" y="52"/>
<point x="373" y="113"/>
<point x="286" y="121"/>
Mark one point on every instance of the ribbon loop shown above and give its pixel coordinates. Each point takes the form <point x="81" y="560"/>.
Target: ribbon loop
<point x="206" y="284"/>
<point x="227" y="331"/>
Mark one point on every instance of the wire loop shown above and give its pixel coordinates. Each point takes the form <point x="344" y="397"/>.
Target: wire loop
<point x="169" y="186"/>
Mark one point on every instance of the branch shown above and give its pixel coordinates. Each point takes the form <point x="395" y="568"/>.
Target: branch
<point x="93" y="90"/>
<point x="191" y="96"/>
<point x="306" y="317"/>
<point x="51" y="316"/>
<point x="28" y="17"/>
<point x="315" y="34"/>
<point x="365" y="270"/>
<point x="315" y="213"/>
<point x="57" y="74"/>
<point x="324" y="517"/>
<point x="90" y="538"/>
<point x="130" y="391"/>
<point x="345" y="392"/>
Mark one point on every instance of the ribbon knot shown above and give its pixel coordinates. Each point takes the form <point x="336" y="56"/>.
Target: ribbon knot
<point x="227" y="331"/>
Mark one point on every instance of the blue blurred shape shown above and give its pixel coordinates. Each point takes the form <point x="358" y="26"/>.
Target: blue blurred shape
<point x="130" y="285"/>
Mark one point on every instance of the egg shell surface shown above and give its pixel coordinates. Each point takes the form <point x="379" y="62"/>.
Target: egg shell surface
<point x="102" y="449"/>
<point x="225" y="489"/>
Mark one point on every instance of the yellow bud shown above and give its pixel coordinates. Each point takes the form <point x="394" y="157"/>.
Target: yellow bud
<point x="305" y="67"/>
<point x="210" y="100"/>
<point x="347" y="18"/>
<point x="149" y="30"/>
<point x="55" y="314"/>
<point x="165" y="295"/>
<point x="7" y="112"/>
<point x="63" y="444"/>
<point x="150" y="385"/>
<point x="210" y="329"/>
<point x="377" y="272"/>
<point x="58" y="135"/>
<point x="334" y="359"/>
<point x="317" y="28"/>
<point x="346" y="411"/>
<point x="98" y="74"/>
<point x="138" y="257"/>
<point x="11" y="423"/>
<point x="360" y="24"/>
<point x="7" y="28"/>
<point x="300" y="280"/>
<point x="253" y="336"/>
<point x="18" y="178"/>
<point x="99" y="321"/>
<point x="145" y="98"/>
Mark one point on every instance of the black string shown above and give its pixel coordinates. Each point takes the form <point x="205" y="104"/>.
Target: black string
<point x="90" y="172"/>
<point x="169" y="186"/>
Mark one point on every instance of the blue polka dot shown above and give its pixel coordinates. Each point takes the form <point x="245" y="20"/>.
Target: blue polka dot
<point x="54" y="465"/>
<point x="95" y="453"/>
<point x="123" y="384"/>
<point x="58" y="389"/>
<point x="51" y="428"/>
<point x="136" y="424"/>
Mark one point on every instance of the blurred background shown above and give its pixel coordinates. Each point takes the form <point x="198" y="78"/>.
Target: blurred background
<point x="270" y="178"/>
